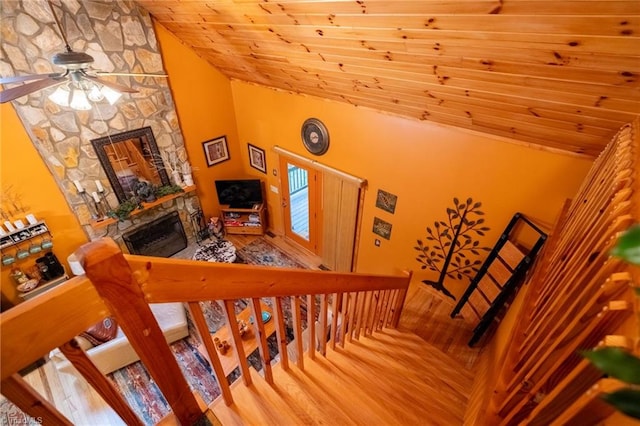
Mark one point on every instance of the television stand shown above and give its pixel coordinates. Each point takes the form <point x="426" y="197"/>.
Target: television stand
<point x="251" y="221"/>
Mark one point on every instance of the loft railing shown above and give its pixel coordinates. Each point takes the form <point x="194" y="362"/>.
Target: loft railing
<point x="124" y="285"/>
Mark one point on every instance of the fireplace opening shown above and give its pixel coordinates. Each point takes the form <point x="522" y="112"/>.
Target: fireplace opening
<point x="163" y="237"/>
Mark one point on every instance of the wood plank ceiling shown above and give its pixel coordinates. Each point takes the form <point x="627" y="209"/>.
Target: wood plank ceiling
<point x="562" y="75"/>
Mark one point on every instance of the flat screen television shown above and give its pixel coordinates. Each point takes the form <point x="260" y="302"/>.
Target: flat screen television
<point x="239" y="193"/>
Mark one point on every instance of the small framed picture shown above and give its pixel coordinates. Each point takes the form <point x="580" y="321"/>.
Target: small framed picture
<point x="216" y="150"/>
<point x="382" y="228"/>
<point x="257" y="158"/>
<point x="386" y="201"/>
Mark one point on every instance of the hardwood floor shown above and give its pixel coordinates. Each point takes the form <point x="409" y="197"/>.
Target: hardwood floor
<point x="426" y="314"/>
<point x="413" y="384"/>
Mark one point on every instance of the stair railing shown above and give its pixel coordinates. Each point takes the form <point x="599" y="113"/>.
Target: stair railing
<point x="124" y="286"/>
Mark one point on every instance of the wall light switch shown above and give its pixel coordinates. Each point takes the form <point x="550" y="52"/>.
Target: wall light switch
<point x="274" y="189"/>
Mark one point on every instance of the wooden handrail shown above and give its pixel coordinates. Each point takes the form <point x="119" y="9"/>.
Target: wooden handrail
<point x="39" y="325"/>
<point x="177" y="280"/>
<point x="124" y="285"/>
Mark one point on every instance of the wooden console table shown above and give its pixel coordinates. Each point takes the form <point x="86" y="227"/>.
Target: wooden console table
<point x="229" y="360"/>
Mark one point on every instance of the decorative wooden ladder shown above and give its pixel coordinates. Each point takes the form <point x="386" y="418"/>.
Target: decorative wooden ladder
<point x="500" y="275"/>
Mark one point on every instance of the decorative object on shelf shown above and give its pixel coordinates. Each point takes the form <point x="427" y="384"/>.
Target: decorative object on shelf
<point x="27" y="286"/>
<point x="125" y="208"/>
<point x="130" y="157"/>
<point x="187" y="177"/>
<point x="145" y="191"/>
<point x="19" y="239"/>
<point x="386" y="201"/>
<point x="216" y="150"/>
<point x="257" y="158"/>
<point x="450" y="242"/>
<point x="382" y="228"/>
<point x="315" y="136"/>
<point x="221" y="345"/>
<point x="105" y="203"/>
<point x="19" y="224"/>
<point x="91" y="205"/>
<point x="9" y="226"/>
<point x="243" y="328"/>
<point x="31" y="219"/>
<point x="165" y="190"/>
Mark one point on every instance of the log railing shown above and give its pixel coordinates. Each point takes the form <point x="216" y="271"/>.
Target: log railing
<point x="124" y="286"/>
<point x="578" y="298"/>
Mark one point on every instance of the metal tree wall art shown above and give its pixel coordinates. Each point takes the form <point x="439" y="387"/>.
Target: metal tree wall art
<point x="449" y="243"/>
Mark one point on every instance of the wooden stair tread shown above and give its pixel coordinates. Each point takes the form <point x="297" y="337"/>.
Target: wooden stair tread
<point x="256" y="404"/>
<point x="392" y="377"/>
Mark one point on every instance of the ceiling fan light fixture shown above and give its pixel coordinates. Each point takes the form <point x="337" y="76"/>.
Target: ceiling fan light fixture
<point x="79" y="100"/>
<point x="61" y="96"/>
<point x="95" y="94"/>
<point x="111" y="95"/>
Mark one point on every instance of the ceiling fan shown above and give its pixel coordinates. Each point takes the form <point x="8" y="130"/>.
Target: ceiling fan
<point x="75" y="83"/>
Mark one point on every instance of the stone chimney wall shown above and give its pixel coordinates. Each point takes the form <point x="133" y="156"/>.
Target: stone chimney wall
<point x="120" y="37"/>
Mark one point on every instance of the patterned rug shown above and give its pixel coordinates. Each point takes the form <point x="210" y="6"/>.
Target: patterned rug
<point x="263" y="252"/>
<point x="139" y="389"/>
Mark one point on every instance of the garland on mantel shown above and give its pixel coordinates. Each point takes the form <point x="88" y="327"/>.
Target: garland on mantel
<point x="124" y="209"/>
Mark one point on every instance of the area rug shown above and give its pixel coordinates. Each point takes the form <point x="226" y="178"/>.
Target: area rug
<point x="139" y="389"/>
<point x="263" y="252"/>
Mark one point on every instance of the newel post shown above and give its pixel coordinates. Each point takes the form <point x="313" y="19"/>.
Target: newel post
<point x="112" y="277"/>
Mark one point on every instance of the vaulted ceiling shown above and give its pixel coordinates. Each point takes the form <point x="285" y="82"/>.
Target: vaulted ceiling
<point x="558" y="74"/>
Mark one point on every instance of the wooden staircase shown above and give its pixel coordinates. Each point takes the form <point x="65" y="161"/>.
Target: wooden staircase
<point x="365" y="372"/>
<point x="391" y="377"/>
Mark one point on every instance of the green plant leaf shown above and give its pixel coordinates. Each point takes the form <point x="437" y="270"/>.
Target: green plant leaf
<point x="628" y="246"/>
<point x="626" y="400"/>
<point x="616" y="363"/>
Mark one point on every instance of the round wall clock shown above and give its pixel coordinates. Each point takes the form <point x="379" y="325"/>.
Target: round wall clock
<point x="315" y="136"/>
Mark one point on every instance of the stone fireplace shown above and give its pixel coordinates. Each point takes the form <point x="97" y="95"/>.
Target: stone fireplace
<point x="121" y="38"/>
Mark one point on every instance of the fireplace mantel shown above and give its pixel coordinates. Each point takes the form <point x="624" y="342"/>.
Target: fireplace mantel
<point x="103" y="223"/>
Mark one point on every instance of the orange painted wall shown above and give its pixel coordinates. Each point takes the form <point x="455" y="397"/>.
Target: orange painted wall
<point x="24" y="173"/>
<point x="204" y="103"/>
<point x="425" y="164"/>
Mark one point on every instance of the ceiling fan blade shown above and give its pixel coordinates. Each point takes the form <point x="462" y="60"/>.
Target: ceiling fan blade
<point x="132" y="74"/>
<point x="17" y="92"/>
<point x="20" y="78"/>
<point x="114" y="86"/>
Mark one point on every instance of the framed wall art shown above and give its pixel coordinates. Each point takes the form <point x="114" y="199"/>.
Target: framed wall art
<point x="216" y="150"/>
<point x="382" y="228"/>
<point x="257" y="159"/>
<point x="386" y="201"/>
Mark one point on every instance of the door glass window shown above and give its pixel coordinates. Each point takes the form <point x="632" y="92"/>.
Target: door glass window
<point x="298" y="200"/>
